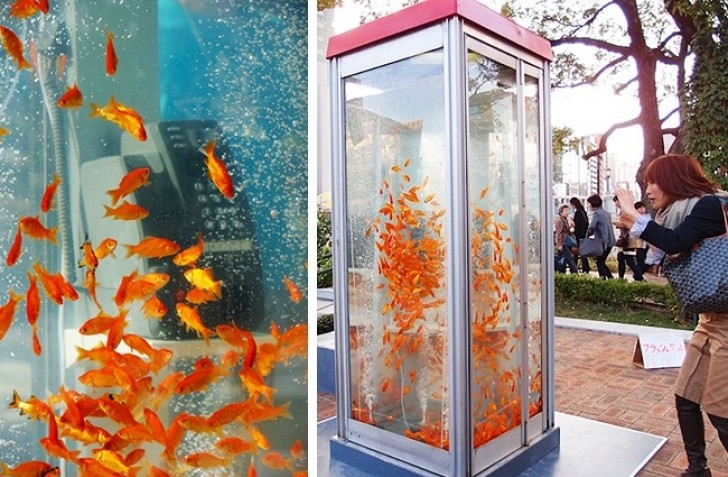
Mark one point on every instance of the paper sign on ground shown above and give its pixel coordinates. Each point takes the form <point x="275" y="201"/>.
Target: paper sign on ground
<point x="659" y="350"/>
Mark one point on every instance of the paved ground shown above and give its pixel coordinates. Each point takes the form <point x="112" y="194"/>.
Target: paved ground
<point x="595" y="379"/>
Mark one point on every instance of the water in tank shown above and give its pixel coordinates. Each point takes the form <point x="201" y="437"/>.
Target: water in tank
<point x="153" y="310"/>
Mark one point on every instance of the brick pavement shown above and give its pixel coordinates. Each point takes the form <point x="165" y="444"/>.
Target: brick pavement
<point x="595" y="379"/>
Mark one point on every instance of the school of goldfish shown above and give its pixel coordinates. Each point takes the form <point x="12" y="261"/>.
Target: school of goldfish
<point x="112" y="425"/>
<point x="411" y="358"/>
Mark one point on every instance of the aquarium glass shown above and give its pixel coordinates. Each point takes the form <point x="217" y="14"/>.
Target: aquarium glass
<point x="534" y="269"/>
<point x="153" y="309"/>
<point x="495" y="248"/>
<point x="395" y="201"/>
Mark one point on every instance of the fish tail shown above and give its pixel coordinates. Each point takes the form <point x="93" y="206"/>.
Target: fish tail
<point x="95" y="110"/>
<point x="15" y="403"/>
<point x="108" y="209"/>
<point x="52" y="235"/>
<point x="23" y="64"/>
<point x="16" y="297"/>
<point x="115" y="195"/>
<point x="129" y="250"/>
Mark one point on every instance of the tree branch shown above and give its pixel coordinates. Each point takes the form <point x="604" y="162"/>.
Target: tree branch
<point x="601" y="44"/>
<point x="624" y="86"/>
<point x="591" y="19"/>
<point x="677" y="109"/>
<point x="609" y="65"/>
<point x="602" y="146"/>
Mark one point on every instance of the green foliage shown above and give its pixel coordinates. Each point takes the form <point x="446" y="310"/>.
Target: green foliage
<point x="706" y="123"/>
<point x="324" y="250"/>
<point x="562" y="141"/>
<point x="619" y="293"/>
<point x="324" y="324"/>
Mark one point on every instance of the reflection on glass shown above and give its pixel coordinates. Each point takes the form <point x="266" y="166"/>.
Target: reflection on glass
<point x="163" y="318"/>
<point x="532" y="155"/>
<point x="395" y="159"/>
<point x="495" y="263"/>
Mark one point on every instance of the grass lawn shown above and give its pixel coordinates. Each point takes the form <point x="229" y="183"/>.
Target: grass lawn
<point x="646" y="316"/>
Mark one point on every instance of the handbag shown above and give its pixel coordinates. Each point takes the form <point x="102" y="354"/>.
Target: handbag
<point x="591" y="247"/>
<point x="570" y="242"/>
<point x="623" y="241"/>
<point x="699" y="278"/>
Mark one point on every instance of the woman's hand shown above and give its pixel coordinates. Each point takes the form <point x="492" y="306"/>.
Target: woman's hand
<point x="628" y="213"/>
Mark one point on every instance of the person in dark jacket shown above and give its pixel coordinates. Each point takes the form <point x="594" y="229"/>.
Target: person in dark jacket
<point x="688" y="211"/>
<point x="602" y="228"/>
<point x="581" y="224"/>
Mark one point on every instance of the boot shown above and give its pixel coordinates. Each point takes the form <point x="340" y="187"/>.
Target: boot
<point x="721" y="425"/>
<point x="690" y="418"/>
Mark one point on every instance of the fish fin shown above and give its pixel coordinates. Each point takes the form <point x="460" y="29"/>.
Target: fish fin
<point x="95" y="110"/>
<point x="52" y="235"/>
<point x="115" y="195"/>
<point x="107" y="209"/>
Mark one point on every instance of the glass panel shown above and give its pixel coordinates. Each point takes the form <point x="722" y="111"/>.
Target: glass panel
<point x="493" y="189"/>
<point x="141" y="345"/>
<point x="533" y="161"/>
<point x="395" y="162"/>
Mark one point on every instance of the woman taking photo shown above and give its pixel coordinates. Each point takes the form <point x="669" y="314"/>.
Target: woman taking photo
<point x="688" y="211"/>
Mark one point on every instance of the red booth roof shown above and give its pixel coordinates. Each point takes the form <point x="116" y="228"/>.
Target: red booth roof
<point x="433" y="11"/>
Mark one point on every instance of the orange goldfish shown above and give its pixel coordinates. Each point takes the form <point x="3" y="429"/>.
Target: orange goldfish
<point x="191" y="319"/>
<point x="122" y="291"/>
<point x="111" y="59"/>
<point x="198" y="424"/>
<point x="199" y="379"/>
<point x="227" y="414"/>
<point x="142" y="287"/>
<point x="293" y="291"/>
<point x="124" y="117"/>
<point x="126" y="211"/>
<point x="235" y="445"/>
<point x="206" y="460"/>
<point x="238" y="338"/>
<point x="174" y="436"/>
<point x="34" y="408"/>
<point x="257" y="412"/>
<point x="90" y="284"/>
<point x="32" y="302"/>
<point x="130" y="183"/>
<point x="155" y="425"/>
<point x="71" y="99"/>
<point x="203" y="279"/>
<point x="158" y="357"/>
<point x="3" y="132"/>
<point x="153" y="247"/>
<point x="55" y="285"/>
<point x="276" y="461"/>
<point x="32" y="227"/>
<point x="7" y="312"/>
<point x="217" y="171"/>
<point x="190" y="255"/>
<point x="253" y="382"/>
<point x="200" y="297"/>
<point x="100" y="323"/>
<point x="297" y="450"/>
<point x="251" y="469"/>
<point x="53" y="445"/>
<point x="155" y="471"/>
<point x="106" y="248"/>
<point x="14" y="46"/>
<point x="50" y="191"/>
<point x="154" y="308"/>
<point x="37" y="348"/>
<point x="28" y="8"/>
<point x="33" y="468"/>
<point x="89" y="258"/>
<point x="165" y="389"/>
<point x="15" y="250"/>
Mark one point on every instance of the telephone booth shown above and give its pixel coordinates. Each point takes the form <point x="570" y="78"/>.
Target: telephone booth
<point x="443" y="282"/>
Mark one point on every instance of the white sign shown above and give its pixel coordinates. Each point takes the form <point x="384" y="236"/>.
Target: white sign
<point x="659" y="350"/>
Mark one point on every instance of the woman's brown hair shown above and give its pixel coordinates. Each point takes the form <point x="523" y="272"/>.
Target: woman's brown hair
<point x="679" y="177"/>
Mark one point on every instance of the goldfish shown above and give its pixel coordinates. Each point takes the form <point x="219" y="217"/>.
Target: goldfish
<point x="251" y="469"/>
<point x="276" y="461"/>
<point x="198" y="424"/>
<point x="53" y="445"/>
<point x="106" y="248"/>
<point x="165" y="389"/>
<point x="50" y="191"/>
<point x="199" y="379"/>
<point x="90" y="284"/>
<point x="100" y="323"/>
<point x="34" y="408"/>
<point x="71" y="99"/>
<point x="89" y="258"/>
<point x="116" y="411"/>
<point x="141" y="287"/>
<point x="203" y="279"/>
<point x="174" y="436"/>
<point x="126" y="211"/>
<point x="112" y="60"/>
<point x="32" y="302"/>
<point x="154" y="308"/>
<point x="55" y="285"/>
<point x="15" y="250"/>
<point x="126" y="118"/>
<point x="13" y="46"/>
<point x="293" y="291"/>
<point x="191" y="319"/>
<point x="197" y="296"/>
<point x="259" y="438"/>
<point x="297" y="450"/>
<point x="3" y="132"/>
<point x="238" y="338"/>
<point x="159" y="357"/>
<point x="217" y="171"/>
<point x="37" y="347"/>
<point x="190" y="255"/>
<point x="253" y="382"/>
<point x="153" y="247"/>
<point x="7" y="312"/>
<point x="122" y="290"/>
<point x="205" y="460"/>
<point x="155" y="425"/>
<point x="235" y="446"/>
<point x="130" y="183"/>
<point x="28" y="8"/>
<point x="257" y="412"/>
<point x="32" y="227"/>
<point x="155" y="471"/>
<point x="33" y="468"/>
